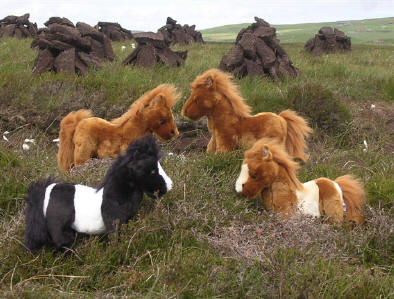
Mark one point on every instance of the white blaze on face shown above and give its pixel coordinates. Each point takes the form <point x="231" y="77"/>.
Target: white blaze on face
<point x="165" y="177"/>
<point x="243" y="177"/>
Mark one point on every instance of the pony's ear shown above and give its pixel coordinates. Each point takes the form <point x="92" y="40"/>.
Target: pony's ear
<point x="266" y="153"/>
<point x="209" y="82"/>
<point x="157" y="100"/>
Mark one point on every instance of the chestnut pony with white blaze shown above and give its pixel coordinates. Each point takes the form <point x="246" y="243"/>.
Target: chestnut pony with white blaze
<point x="268" y="170"/>
<point x="229" y="120"/>
<point x="83" y="136"/>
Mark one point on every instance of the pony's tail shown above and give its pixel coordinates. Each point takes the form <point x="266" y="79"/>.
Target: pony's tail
<point x="354" y="197"/>
<point x="36" y="233"/>
<point x="298" y="130"/>
<point x="65" y="155"/>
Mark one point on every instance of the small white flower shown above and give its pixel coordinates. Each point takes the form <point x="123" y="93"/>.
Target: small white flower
<point x="56" y="140"/>
<point x="364" y="150"/>
<point x="27" y="140"/>
<point x="5" y="138"/>
<point x="170" y="154"/>
<point x="373" y="106"/>
<point x="365" y="144"/>
<point x="123" y="48"/>
<point x="6" y="132"/>
<point x="133" y="46"/>
<point x="25" y="147"/>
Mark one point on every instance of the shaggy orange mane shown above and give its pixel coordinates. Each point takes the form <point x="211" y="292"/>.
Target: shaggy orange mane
<point x="280" y="156"/>
<point x="167" y="91"/>
<point x="222" y="83"/>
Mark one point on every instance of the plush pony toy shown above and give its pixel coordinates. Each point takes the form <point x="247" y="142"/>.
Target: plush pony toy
<point x="56" y="211"/>
<point x="229" y="120"/>
<point x="268" y="170"/>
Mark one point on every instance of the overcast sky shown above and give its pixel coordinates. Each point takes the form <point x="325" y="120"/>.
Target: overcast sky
<point x="149" y="15"/>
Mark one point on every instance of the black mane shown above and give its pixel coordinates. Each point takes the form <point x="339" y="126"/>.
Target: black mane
<point x="142" y="148"/>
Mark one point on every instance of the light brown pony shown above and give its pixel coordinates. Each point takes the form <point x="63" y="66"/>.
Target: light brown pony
<point x="269" y="170"/>
<point x="83" y="136"/>
<point x="214" y="95"/>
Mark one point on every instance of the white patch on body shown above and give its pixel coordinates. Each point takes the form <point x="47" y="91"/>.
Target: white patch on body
<point x="166" y="178"/>
<point x="87" y="205"/>
<point x="48" y="191"/>
<point x="308" y="199"/>
<point x="243" y="177"/>
<point x="340" y="195"/>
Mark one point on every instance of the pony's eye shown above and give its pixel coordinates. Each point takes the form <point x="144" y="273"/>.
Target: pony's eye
<point x="253" y="176"/>
<point x="162" y="121"/>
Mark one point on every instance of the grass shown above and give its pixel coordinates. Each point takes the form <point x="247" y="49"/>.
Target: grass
<point x="369" y="31"/>
<point x="202" y="239"/>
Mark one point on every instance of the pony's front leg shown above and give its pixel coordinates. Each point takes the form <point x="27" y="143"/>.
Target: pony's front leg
<point x="212" y="144"/>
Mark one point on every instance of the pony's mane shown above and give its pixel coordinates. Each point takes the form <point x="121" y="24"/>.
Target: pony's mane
<point x="168" y="91"/>
<point x="141" y="148"/>
<point x="282" y="158"/>
<point x="223" y="83"/>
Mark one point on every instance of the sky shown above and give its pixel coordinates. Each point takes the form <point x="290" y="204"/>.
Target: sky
<point x="150" y="15"/>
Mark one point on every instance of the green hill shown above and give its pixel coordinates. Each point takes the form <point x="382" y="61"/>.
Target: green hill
<point x="369" y="31"/>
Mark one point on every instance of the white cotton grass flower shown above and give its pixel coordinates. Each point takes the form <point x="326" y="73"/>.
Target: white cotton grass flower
<point x="56" y="140"/>
<point x="5" y="137"/>
<point x="25" y="147"/>
<point x="123" y="48"/>
<point x="365" y="146"/>
<point x="373" y="106"/>
<point x="27" y="140"/>
<point x="133" y="45"/>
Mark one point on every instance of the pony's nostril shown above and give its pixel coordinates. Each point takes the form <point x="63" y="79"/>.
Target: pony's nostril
<point x="172" y="132"/>
<point x="243" y="185"/>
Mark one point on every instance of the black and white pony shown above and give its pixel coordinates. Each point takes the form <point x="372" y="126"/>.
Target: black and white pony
<point x="55" y="211"/>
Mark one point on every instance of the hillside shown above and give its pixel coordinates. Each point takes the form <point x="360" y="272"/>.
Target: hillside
<point x="369" y="31"/>
<point x="202" y="239"/>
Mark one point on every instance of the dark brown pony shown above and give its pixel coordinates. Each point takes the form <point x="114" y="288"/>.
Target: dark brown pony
<point x="214" y="95"/>
<point x="83" y="136"/>
<point x="268" y="170"/>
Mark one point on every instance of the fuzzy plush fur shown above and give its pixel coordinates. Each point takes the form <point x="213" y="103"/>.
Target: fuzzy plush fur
<point x="83" y="136"/>
<point x="56" y="211"/>
<point x="269" y="170"/>
<point x="214" y="95"/>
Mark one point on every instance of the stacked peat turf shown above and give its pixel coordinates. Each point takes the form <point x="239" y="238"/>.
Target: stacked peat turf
<point x="19" y="27"/>
<point x="328" y="41"/>
<point x="114" y="31"/>
<point x="176" y="34"/>
<point x="153" y="49"/>
<point x="65" y="47"/>
<point x="257" y="52"/>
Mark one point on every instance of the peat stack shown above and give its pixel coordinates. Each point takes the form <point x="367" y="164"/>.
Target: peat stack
<point x="174" y="33"/>
<point x="257" y="52"/>
<point x="114" y="31"/>
<point x="65" y="47"/>
<point x="153" y="49"/>
<point x="19" y="27"/>
<point x="328" y="41"/>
